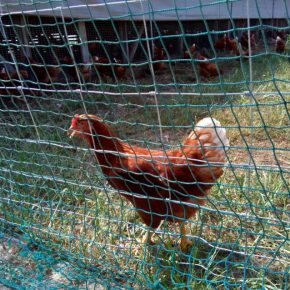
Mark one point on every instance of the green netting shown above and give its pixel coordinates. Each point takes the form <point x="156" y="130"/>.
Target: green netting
<point x="62" y="225"/>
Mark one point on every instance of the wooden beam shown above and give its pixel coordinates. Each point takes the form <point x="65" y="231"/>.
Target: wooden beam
<point x="124" y="38"/>
<point x="24" y="37"/>
<point x="84" y="42"/>
<point x="180" y="47"/>
<point x="135" y="45"/>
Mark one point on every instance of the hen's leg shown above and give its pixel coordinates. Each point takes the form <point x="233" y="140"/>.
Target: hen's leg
<point x="185" y="243"/>
<point x="152" y="223"/>
<point x="147" y="238"/>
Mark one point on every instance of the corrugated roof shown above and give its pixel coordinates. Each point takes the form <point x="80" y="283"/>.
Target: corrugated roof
<point x="159" y="10"/>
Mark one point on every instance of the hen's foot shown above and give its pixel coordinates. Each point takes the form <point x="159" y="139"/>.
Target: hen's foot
<point x="144" y="242"/>
<point x="185" y="244"/>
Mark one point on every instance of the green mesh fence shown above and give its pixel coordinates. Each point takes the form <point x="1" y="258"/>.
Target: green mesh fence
<point x="151" y="70"/>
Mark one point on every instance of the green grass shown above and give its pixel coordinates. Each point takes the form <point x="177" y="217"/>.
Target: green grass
<point x="54" y="194"/>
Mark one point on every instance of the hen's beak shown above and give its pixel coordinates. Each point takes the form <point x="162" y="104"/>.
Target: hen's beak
<point x="71" y="132"/>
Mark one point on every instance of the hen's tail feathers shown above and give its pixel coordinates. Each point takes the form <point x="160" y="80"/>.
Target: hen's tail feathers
<point x="209" y="134"/>
<point x="212" y="127"/>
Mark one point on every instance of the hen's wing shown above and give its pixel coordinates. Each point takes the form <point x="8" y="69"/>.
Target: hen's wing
<point x="141" y="174"/>
<point x="173" y="175"/>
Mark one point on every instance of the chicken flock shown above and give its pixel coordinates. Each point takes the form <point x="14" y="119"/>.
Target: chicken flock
<point x="100" y="67"/>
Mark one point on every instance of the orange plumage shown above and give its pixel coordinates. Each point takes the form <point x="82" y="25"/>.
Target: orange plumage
<point x="231" y="44"/>
<point x="245" y="43"/>
<point x="69" y="67"/>
<point x="207" y="69"/>
<point x="280" y="45"/>
<point x="12" y="80"/>
<point x="107" y="68"/>
<point x="189" y="53"/>
<point x="119" y="69"/>
<point x="243" y="53"/>
<point x="221" y="43"/>
<point x="86" y="72"/>
<point x="161" y="185"/>
<point x="45" y="74"/>
<point x="159" y="55"/>
<point x="158" y="63"/>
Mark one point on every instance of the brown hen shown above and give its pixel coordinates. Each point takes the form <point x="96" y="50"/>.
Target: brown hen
<point x="162" y="185"/>
<point x="44" y="74"/>
<point x="207" y="69"/>
<point x="221" y="43"/>
<point x="107" y="68"/>
<point x="280" y="45"/>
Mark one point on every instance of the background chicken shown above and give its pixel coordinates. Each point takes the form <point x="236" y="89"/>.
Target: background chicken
<point x="158" y="63"/>
<point x="12" y="79"/>
<point x="231" y="44"/>
<point x="245" y="43"/>
<point x="281" y="34"/>
<point x="86" y="72"/>
<point x="243" y="53"/>
<point x="194" y="51"/>
<point x="69" y="67"/>
<point x="105" y="68"/>
<point x="207" y="69"/>
<point x="161" y="185"/>
<point x="158" y="56"/>
<point x="119" y="69"/>
<point x="280" y="45"/>
<point x="101" y="65"/>
<point x="189" y="53"/>
<point x="44" y="74"/>
<point x="221" y="43"/>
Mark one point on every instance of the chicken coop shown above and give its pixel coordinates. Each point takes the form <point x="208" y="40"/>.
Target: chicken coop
<point x="144" y="144"/>
<point x="43" y="35"/>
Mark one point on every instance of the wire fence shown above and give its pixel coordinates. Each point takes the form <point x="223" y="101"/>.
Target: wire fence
<point x="144" y="198"/>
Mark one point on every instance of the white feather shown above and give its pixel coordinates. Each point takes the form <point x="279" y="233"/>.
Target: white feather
<point x="217" y="132"/>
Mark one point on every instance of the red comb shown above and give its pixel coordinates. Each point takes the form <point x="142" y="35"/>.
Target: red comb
<point x="75" y="119"/>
